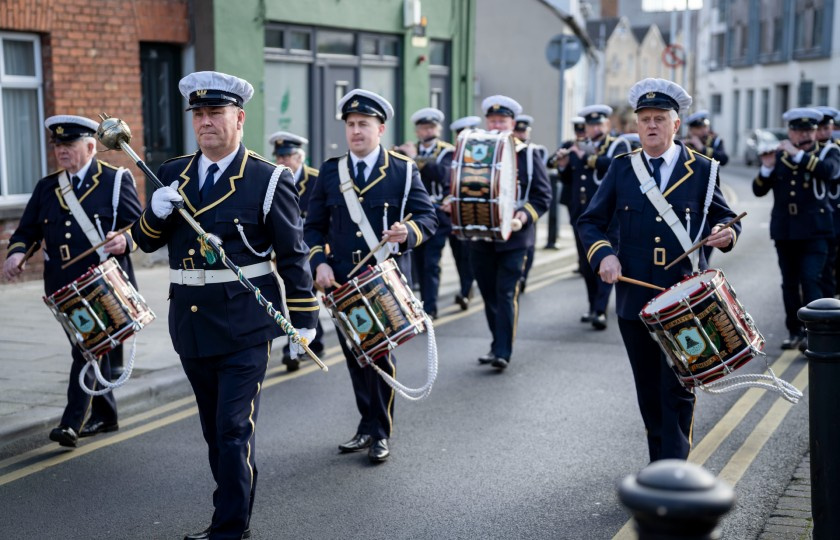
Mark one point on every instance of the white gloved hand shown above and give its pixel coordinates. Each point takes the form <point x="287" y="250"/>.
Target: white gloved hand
<point x="163" y="199"/>
<point x="295" y="349"/>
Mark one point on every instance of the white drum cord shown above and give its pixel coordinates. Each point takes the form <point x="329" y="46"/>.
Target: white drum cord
<point x="107" y="385"/>
<point x="754" y="380"/>
<point x="416" y="394"/>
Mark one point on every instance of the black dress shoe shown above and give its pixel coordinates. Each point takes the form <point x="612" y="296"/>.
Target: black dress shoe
<point x="487" y="358"/>
<point x="599" y="322"/>
<point x="587" y="317"/>
<point x="803" y="344"/>
<point x="64" y="436"/>
<point x="92" y="428"/>
<point x="791" y="342"/>
<point x="521" y="286"/>
<point x="499" y="363"/>
<point x="379" y="451"/>
<point x="359" y="442"/>
<point x="463" y="302"/>
<point x="205" y="534"/>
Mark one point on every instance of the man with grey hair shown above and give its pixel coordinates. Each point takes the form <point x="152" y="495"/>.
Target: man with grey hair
<point x="676" y="178"/>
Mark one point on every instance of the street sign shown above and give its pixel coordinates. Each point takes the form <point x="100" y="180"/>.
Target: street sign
<point x="563" y="51"/>
<point x="673" y="56"/>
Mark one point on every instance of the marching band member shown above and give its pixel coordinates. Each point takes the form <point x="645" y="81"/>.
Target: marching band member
<point x="801" y="224"/>
<point x="565" y="199"/>
<point x="460" y="248"/>
<point x="675" y="179"/>
<point x="498" y="265"/>
<point x="382" y="187"/>
<point x="522" y="131"/>
<point x="583" y="167"/>
<point x="218" y="329"/>
<point x="289" y="152"/>
<point x="825" y="129"/>
<point x="434" y="159"/>
<point x="71" y="210"/>
<point x="702" y="139"/>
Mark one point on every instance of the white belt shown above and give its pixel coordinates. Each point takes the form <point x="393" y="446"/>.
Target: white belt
<point x="197" y="278"/>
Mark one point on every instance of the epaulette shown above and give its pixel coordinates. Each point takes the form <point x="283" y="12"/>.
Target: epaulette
<point x="445" y="144"/>
<point x="312" y="171"/>
<point x="109" y="165"/>
<point x="260" y="158"/>
<point x="180" y="157"/>
<point x="400" y="156"/>
<point x="630" y="153"/>
<point x="696" y="153"/>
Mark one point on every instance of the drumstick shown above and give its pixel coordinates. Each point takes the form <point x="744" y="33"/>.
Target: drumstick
<point x="642" y="283"/>
<point x="90" y="250"/>
<point x="375" y="249"/>
<point x="696" y="246"/>
<point x="28" y="254"/>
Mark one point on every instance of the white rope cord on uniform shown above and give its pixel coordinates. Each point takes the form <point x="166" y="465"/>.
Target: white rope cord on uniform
<point x="755" y="380"/>
<point x="416" y="394"/>
<point x="108" y="385"/>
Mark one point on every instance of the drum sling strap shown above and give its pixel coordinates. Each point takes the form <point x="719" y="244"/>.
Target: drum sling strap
<point x="357" y="213"/>
<point x="79" y="214"/>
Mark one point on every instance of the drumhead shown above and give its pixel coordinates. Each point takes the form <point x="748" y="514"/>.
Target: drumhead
<point x="682" y="290"/>
<point x="506" y="166"/>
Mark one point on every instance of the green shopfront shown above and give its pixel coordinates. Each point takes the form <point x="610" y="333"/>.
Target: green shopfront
<point x="303" y="55"/>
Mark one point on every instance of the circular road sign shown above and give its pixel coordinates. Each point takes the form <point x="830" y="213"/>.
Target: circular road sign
<point x="563" y="51"/>
<point x="673" y="55"/>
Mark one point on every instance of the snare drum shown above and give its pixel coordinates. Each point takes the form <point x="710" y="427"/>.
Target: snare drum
<point x="100" y="309"/>
<point x="376" y="312"/>
<point x="484" y="186"/>
<point x="703" y="329"/>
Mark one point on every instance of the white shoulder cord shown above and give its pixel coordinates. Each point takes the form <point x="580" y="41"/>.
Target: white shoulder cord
<point x="610" y="152"/>
<point x="710" y="192"/>
<point x="835" y="192"/>
<point x="269" y="198"/>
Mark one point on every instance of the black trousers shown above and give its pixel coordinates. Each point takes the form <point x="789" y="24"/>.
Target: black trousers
<point x="102" y="408"/>
<point x="667" y="407"/>
<point x="828" y="280"/>
<point x="497" y="275"/>
<point x="427" y="256"/>
<point x="802" y="263"/>
<point x="227" y="392"/>
<point x="374" y="398"/>
<point x="461" y="252"/>
<point x="597" y="291"/>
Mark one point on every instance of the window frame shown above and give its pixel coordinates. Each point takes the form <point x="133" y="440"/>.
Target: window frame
<point x="28" y="82"/>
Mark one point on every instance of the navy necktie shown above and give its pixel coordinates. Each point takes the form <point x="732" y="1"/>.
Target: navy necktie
<point x="77" y="182"/>
<point x="208" y="182"/>
<point x="655" y="163"/>
<point x="360" y="172"/>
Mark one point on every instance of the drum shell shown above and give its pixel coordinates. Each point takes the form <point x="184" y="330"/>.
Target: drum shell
<point x="702" y="328"/>
<point x="484" y="185"/>
<point x="376" y="312"/>
<point x="100" y="309"/>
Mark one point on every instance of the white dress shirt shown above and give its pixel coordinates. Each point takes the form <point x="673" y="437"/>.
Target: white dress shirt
<point x="667" y="167"/>
<point x="204" y="164"/>
<point x="370" y="161"/>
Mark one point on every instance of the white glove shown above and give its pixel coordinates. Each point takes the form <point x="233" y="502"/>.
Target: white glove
<point x="296" y="349"/>
<point x="163" y="199"/>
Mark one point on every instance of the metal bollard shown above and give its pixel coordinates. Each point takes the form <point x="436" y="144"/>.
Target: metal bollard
<point x="673" y="498"/>
<point x="553" y="213"/>
<point x="822" y="320"/>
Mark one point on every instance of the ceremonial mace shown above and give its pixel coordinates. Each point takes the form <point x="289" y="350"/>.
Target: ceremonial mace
<point x="115" y="135"/>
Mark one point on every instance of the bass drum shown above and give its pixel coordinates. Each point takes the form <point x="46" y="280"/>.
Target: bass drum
<point x="484" y="185"/>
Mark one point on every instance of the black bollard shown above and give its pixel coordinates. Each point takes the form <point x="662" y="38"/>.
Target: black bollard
<point x="822" y="320"/>
<point x="553" y="213"/>
<point x="676" y="499"/>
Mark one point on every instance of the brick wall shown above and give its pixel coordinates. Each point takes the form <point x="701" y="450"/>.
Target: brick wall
<point x="91" y="63"/>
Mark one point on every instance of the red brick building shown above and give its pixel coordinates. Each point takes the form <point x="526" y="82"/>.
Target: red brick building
<point x="84" y="57"/>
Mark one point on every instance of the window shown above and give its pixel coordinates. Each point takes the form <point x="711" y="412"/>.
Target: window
<point x="717" y="104"/>
<point x="22" y="150"/>
<point x="718" y="48"/>
<point x="822" y="96"/>
<point x="765" y="107"/>
<point x="330" y="42"/>
<point x="438" y="53"/>
<point x="750" y="109"/>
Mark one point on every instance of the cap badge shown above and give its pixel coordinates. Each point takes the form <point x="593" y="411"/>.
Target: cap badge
<point x="59" y="130"/>
<point x="804" y="120"/>
<point x="355" y="103"/>
<point x="651" y="95"/>
<point x="200" y="93"/>
<point x="496" y="107"/>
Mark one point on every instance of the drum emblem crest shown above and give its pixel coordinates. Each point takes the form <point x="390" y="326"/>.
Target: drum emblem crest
<point x="479" y="152"/>
<point x="82" y="320"/>
<point x="361" y="320"/>
<point x="691" y="341"/>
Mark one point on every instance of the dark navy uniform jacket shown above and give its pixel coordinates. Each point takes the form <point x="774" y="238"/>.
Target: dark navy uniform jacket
<point x="713" y="148"/>
<point x="641" y="230"/>
<point x="328" y="220"/>
<point x="801" y="207"/>
<point x="220" y="318"/>
<point x="304" y="187"/>
<point x="536" y="203"/>
<point x="435" y="172"/>
<point x="48" y="218"/>
<point x="584" y="174"/>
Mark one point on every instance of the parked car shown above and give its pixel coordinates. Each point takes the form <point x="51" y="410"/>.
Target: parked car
<point x="760" y="140"/>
